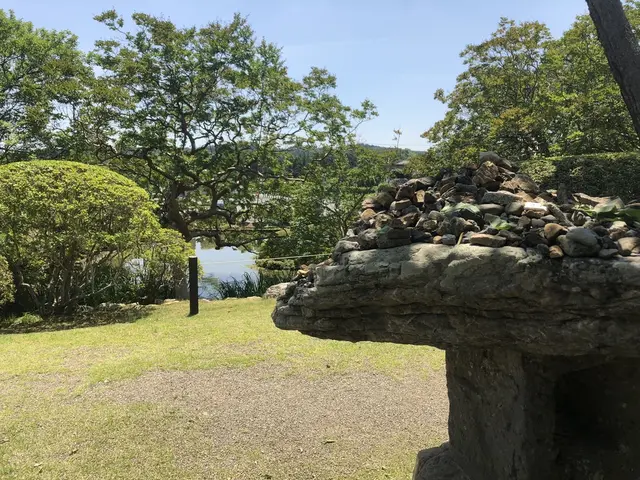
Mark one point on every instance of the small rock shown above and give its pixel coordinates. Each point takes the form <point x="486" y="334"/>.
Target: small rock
<point x="368" y="214"/>
<point x="449" y="239"/>
<point x="543" y="249"/>
<point x="553" y="230"/>
<point x="368" y="239"/>
<point x="400" y="205"/>
<point x="512" y="238"/>
<point x="485" y="240"/>
<point x="524" y="222"/>
<point x="492" y="208"/>
<point x="534" y="238"/>
<point x="420" y="236"/>
<point x="515" y="208"/>
<point x="384" y="199"/>
<point x="406" y="191"/>
<point x="410" y="209"/>
<point x="537" y="223"/>
<point x="383" y="219"/>
<point x="535" y="210"/>
<point x="344" y="246"/>
<point x="628" y="246"/>
<point x="487" y="173"/>
<point x="555" y="252"/>
<point x="549" y="219"/>
<point x="390" y="237"/>
<point x="521" y="182"/>
<point x="579" y="242"/>
<point x="437" y="216"/>
<point x="410" y="220"/>
<point x="608" y="253"/>
<point x="499" y="197"/>
<point x="437" y="239"/>
<point x="600" y="230"/>
<point x="578" y="218"/>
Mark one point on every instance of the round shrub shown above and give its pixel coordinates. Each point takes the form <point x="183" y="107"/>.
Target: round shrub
<point x="6" y="283"/>
<point x="64" y="224"/>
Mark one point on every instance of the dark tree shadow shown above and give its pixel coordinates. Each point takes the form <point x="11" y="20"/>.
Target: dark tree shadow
<point x="95" y="318"/>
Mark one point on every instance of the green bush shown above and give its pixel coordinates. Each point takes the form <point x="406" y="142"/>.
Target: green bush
<point x="73" y="232"/>
<point x="613" y="174"/>
<point x="6" y="283"/>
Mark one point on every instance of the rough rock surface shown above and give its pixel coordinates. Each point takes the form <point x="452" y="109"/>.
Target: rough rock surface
<point x="474" y="296"/>
<point x="275" y="291"/>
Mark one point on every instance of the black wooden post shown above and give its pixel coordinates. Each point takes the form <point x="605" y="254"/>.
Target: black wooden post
<point x="193" y="285"/>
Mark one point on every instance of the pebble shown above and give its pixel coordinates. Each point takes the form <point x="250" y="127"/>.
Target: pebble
<point x="485" y="240"/>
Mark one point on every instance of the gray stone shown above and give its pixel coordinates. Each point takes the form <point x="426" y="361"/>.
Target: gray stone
<point x="406" y="191"/>
<point x="449" y="239"/>
<point x="515" y="208"/>
<point x="492" y="208"/>
<point x="484" y="240"/>
<point x="368" y="239"/>
<point x="422" y="236"/>
<point x="344" y="246"/>
<point x="390" y="237"/>
<point x="579" y="242"/>
<point x="608" y="253"/>
<point x="500" y="197"/>
<point x="521" y="182"/>
<point x="629" y="245"/>
<point x="537" y="223"/>
<point x="400" y="205"/>
<point x="275" y="291"/>
<point x="384" y="198"/>
<point x="486" y="173"/>
<point x="438" y="464"/>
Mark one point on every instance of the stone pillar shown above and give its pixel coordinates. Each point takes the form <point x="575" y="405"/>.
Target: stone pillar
<point x="521" y="417"/>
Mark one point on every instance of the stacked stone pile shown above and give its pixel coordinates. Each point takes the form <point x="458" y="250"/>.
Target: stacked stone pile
<point x="492" y="205"/>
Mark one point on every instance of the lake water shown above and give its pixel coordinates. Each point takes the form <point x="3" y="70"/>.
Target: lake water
<point x="223" y="264"/>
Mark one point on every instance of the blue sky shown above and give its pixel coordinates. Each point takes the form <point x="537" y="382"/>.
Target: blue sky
<point x="394" y="53"/>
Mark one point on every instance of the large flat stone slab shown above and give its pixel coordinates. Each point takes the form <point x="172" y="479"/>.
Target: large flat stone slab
<point x="471" y="296"/>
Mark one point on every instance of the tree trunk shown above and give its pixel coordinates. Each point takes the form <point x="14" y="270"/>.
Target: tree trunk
<point x="622" y="50"/>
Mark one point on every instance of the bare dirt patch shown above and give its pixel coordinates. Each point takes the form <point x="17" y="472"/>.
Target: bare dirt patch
<point x="259" y="422"/>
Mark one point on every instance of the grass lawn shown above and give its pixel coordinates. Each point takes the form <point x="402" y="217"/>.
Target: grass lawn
<point x="223" y="395"/>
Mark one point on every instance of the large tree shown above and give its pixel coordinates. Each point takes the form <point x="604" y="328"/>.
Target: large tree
<point x="622" y="50"/>
<point x="205" y="119"/>
<point x="41" y="86"/>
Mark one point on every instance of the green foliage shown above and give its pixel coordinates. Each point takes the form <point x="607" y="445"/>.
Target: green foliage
<point x="206" y="119"/>
<point x="321" y="207"/>
<point x="7" y="287"/>
<point x="70" y="231"/>
<point x="40" y="83"/>
<point x="525" y="94"/>
<point x="251" y="285"/>
<point x="603" y="174"/>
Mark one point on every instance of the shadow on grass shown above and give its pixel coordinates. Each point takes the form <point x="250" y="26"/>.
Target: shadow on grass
<point x="95" y="318"/>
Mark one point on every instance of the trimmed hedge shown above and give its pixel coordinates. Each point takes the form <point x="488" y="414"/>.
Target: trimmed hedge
<point x="609" y="174"/>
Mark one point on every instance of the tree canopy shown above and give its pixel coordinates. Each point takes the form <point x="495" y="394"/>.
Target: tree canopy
<point x="526" y="94"/>
<point x="205" y="119"/>
<point x="42" y="74"/>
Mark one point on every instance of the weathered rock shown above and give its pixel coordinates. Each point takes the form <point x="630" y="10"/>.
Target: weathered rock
<point x="521" y="182"/>
<point x="492" y="208"/>
<point x="487" y="240"/>
<point x="422" y="236"/>
<point x="344" y="246"/>
<point x="552" y="231"/>
<point x="555" y="252"/>
<point x="608" y="253"/>
<point x="383" y="219"/>
<point x="392" y="237"/>
<point x="515" y="208"/>
<point x="487" y="173"/>
<point x="579" y="242"/>
<point x="368" y="239"/>
<point x="368" y="214"/>
<point x="537" y="223"/>
<point x="400" y="205"/>
<point x="500" y="197"/>
<point x="438" y="295"/>
<point x="449" y="239"/>
<point x="385" y="199"/>
<point x="275" y="291"/>
<point x="543" y="249"/>
<point x="535" y="238"/>
<point x="410" y="219"/>
<point x="406" y="191"/>
<point x="535" y="210"/>
<point x="629" y="245"/>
